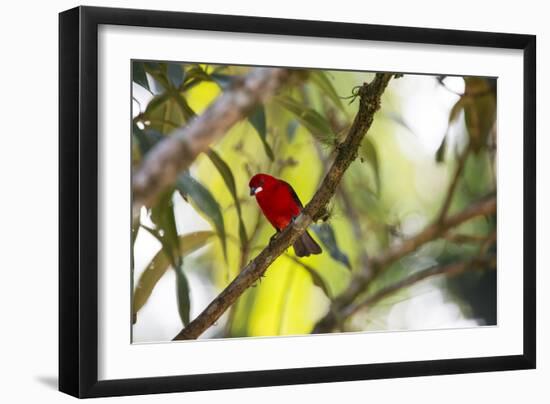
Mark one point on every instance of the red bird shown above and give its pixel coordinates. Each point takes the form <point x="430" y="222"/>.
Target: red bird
<point x="280" y="204"/>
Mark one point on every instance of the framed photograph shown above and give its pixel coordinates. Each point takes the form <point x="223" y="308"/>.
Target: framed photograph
<point x="251" y="201"/>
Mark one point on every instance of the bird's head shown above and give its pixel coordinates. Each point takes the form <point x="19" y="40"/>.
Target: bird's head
<point x="261" y="182"/>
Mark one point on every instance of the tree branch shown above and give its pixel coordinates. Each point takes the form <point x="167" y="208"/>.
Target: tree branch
<point x="346" y="152"/>
<point x="376" y="264"/>
<point x="448" y="270"/>
<point x="176" y="153"/>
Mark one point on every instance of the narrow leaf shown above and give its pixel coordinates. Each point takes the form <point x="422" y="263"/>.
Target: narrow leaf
<point x="205" y="203"/>
<point x="166" y="116"/>
<point x="258" y="121"/>
<point x="227" y="175"/>
<point x="225" y="172"/>
<point x="156" y="103"/>
<point x="157" y="73"/>
<point x="371" y="155"/>
<point x="315" y="277"/>
<point x="314" y="122"/>
<point x="291" y="129"/>
<point x="175" y="74"/>
<point x="183" y="105"/>
<point x="196" y="72"/>
<point x="182" y="290"/>
<point x="188" y="243"/>
<point x="162" y="214"/>
<point x="139" y="76"/>
<point x="326" y="234"/>
<point x="321" y="80"/>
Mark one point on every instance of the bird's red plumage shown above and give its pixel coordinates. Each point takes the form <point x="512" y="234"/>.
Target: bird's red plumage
<point x="277" y="200"/>
<point x="280" y="205"/>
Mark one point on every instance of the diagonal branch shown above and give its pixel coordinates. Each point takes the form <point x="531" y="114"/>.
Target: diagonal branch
<point x="376" y="264"/>
<point x="461" y="163"/>
<point x="346" y="152"/>
<point x="452" y="269"/>
<point x="176" y="153"/>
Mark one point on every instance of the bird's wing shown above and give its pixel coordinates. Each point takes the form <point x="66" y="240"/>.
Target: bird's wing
<point x="293" y="193"/>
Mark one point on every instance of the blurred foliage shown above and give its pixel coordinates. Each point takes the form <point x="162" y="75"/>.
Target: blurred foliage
<point x="387" y="194"/>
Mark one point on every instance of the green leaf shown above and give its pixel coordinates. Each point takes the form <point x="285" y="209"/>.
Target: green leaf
<point x="162" y="214"/>
<point x="321" y="80"/>
<point x="185" y="109"/>
<point x="326" y="234"/>
<point x="164" y="113"/>
<point x="314" y="122"/>
<point x="315" y="277"/>
<point x="225" y="172"/>
<point x="227" y="175"/>
<point x="175" y="74"/>
<point x="196" y="72"/>
<point x="291" y="129"/>
<point x="139" y="76"/>
<point x="158" y="266"/>
<point x="318" y="281"/>
<point x="371" y="155"/>
<point x="156" y="103"/>
<point x="182" y="289"/>
<point x="258" y="121"/>
<point x="205" y="203"/>
<point x="157" y="73"/>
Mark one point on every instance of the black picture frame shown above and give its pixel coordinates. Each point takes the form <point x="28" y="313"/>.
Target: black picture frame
<point x="78" y="200"/>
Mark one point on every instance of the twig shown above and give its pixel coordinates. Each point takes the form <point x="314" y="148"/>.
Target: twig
<point x="448" y="270"/>
<point x="362" y="279"/>
<point x="464" y="238"/>
<point x="370" y="95"/>
<point x="454" y="182"/>
<point x="176" y="153"/>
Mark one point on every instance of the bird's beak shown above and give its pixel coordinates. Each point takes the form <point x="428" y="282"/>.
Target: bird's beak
<point x="255" y="190"/>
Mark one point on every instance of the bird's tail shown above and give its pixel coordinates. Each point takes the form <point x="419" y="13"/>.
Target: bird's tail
<point x="304" y="246"/>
